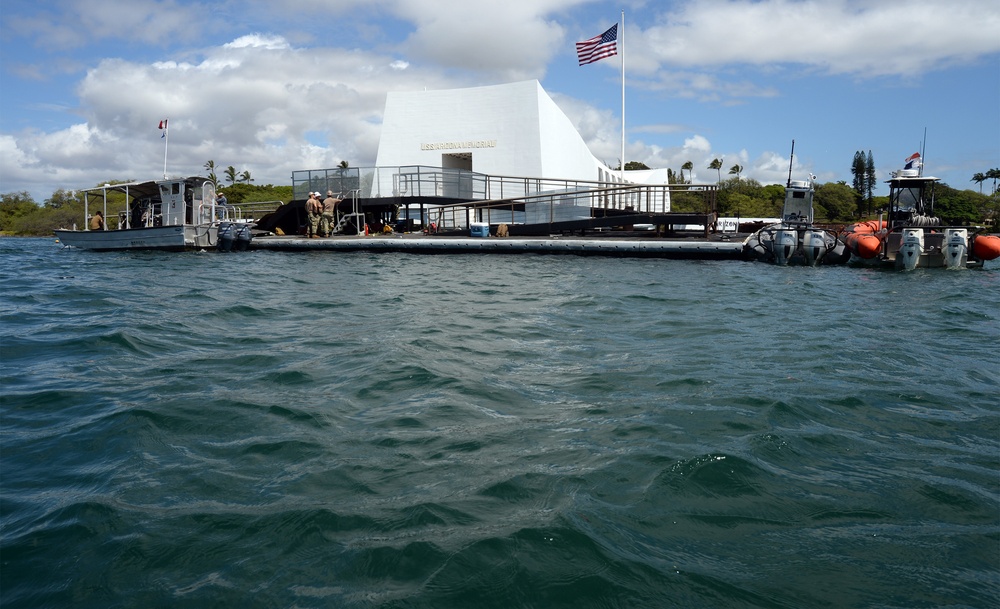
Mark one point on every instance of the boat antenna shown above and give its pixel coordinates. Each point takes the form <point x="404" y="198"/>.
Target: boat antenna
<point x="791" y="158"/>
<point x="923" y="149"/>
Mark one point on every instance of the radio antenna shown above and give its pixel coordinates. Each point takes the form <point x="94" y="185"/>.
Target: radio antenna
<point x="791" y="159"/>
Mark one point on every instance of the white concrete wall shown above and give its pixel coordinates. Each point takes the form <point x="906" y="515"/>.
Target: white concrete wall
<point x="511" y="130"/>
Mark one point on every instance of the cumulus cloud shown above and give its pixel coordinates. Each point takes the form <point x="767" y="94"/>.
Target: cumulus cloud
<point x="255" y="103"/>
<point x="869" y="39"/>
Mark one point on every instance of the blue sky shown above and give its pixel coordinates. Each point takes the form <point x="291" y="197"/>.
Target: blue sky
<point x="273" y="88"/>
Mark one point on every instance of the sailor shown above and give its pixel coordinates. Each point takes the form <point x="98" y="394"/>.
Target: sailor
<point x="326" y="222"/>
<point x="313" y="210"/>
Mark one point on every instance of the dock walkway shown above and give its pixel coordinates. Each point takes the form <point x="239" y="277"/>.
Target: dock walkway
<point x="716" y="247"/>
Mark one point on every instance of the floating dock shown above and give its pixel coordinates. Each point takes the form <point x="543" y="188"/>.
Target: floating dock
<point x="714" y="248"/>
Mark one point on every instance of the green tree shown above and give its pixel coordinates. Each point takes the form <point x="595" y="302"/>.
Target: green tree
<point x="62" y="197"/>
<point x="870" y="180"/>
<point x="635" y="165"/>
<point x="210" y="167"/>
<point x="688" y="166"/>
<point x="245" y="177"/>
<point x="835" y="201"/>
<point x="979" y="178"/>
<point x="231" y="174"/>
<point x="736" y="170"/>
<point x="13" y="206"/>
<point x="959" y="207"/>
<point x="343" y="165"/>
<point x="860" y="180"/>
<point x="993" y="174"/>
<point x="716" y="164"/>
<point x="748" y="198"/>
<point x="774" y="194"/>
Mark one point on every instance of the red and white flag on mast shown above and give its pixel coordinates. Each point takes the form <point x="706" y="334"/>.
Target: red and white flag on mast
<point x="163" y="128"/>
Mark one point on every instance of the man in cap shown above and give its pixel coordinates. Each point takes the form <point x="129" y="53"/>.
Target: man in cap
<point x="313" y="210"/>
<point x="328" y="218"/>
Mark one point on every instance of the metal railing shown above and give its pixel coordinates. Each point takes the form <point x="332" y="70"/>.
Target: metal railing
<point x="467" y="196"/>
<point x="565" y="205"/>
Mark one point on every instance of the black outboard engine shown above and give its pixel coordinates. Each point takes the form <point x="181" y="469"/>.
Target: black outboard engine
<point x="227" y="236"/>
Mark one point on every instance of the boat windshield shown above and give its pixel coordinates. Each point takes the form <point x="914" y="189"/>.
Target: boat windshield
<point x="909" y="198"/>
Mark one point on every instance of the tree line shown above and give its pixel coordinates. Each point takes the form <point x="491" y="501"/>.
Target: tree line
<point x="745" y="197"/>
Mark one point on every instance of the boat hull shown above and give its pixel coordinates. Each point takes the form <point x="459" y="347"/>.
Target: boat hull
<point x="167" y="238"/>
<point x="912" y="248"/>
<point x="790" y="245"/>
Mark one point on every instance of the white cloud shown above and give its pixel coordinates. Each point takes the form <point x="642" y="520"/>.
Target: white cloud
<point x="868" y="39"/>
<point x="257" y="104"/>
<point x="262" y="41"/>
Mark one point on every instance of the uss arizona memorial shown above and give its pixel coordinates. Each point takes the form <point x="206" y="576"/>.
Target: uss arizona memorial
<point x="478" y="143"/>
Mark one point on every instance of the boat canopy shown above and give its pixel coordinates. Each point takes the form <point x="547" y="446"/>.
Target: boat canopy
<point x="143" y="189"/>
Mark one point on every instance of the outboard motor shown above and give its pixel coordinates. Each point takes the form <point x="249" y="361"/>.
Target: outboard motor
<point x="910" y="248"/>
<point x="227" y="234"/>
<point x="786" y="241"/>
<point x="956" y="247"/>
<point x="243" y="237"/>
<point x="814" y="246"/>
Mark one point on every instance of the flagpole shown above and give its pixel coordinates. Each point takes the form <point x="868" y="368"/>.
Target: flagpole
<point x="166" y="142"/>
<point x="621" y="36"/>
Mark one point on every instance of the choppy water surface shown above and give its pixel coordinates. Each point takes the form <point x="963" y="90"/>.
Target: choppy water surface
<point x="359" y="430"/>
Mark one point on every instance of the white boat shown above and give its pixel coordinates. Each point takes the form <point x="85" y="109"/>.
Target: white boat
<point x="795" y="239"/>
<point x="913" y="237"/>
<point x="172" y="214"/>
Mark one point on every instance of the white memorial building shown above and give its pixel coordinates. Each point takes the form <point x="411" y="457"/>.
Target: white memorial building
<point x="487" y="143"/>
<point x="511" y="129"/>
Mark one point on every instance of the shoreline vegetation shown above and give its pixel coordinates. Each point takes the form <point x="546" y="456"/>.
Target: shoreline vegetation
<point x="836" y="202"/>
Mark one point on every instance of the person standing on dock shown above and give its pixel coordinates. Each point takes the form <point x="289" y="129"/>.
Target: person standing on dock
<point x="326" y="221"/>
<point x="313" y="210"/>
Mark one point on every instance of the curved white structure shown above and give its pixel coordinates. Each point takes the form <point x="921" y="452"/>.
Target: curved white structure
<point x="511" y="129"/>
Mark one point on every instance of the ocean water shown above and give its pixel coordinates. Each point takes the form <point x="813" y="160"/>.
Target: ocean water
<point x="363" y="430"/>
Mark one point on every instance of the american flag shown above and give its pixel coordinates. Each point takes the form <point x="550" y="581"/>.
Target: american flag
<point x="598" y="47"/>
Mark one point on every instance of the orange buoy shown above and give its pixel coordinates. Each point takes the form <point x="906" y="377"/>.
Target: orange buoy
<point x="986" y="247"/>
<point x="869" y="227"/>
<point x="864" y="245"/>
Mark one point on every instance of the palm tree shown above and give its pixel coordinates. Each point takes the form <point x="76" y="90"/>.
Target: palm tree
<point x="717" y="165"/>
<point x="245" y="176"/>
<point x="689" y="167"/>
<point x="736" y="170"/>
<point x="979" y="178"/>
<point x="995" y="175"/>
<point x="343" y="165"/>
<point x="231" y="174"/>
<point x="210" y="166"/>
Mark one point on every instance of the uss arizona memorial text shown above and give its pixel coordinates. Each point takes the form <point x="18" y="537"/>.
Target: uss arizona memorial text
<point x="459" y="145"/>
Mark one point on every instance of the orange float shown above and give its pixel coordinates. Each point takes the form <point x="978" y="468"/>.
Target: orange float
<point x="986" y="247"/>
<point x="864" y="245"/>
<point x="869" y="227"/>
